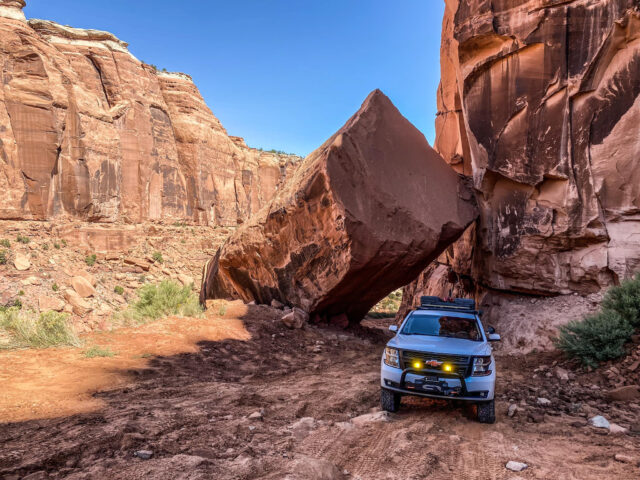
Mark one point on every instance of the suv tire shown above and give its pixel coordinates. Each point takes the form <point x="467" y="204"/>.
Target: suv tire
<point x="390" y="401"/>
<point x="487" y="412"/>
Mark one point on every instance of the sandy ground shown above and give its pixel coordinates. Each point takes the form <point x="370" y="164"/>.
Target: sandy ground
<point x="242" y="397"/>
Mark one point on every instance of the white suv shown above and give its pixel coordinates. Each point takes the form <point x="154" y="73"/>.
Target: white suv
<point x="441" y="351"/>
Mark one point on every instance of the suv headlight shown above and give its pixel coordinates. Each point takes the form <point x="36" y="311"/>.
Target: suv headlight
<point x="481" y="366"/>
<point x="391" y="357"/>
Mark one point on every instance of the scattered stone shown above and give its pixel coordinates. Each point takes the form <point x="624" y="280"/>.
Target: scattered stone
<point x="46" y="303"/>
<point x="513" y="409"/>
<point x="138" y="262"/>
<point x="31" y="281"/>
<point x="561" y="374"/>
<point x="615" y="429"/>
<point x="277" y="304"/>
<point x="185" y="280"/>
<point x="516" y="466"/>
<point x="144" y="454"/>
<point x="621" y="457"/>
<point x="83" y="287"/>
<point x="380" y="416"/>
<point x="79" y="305"/>
<point x="536" y="417"/>
<point x="624" y="394"/>
<point x="21" y="262"/>
<point x="255" y="416"/>
<point x="295" y="319"/>
<point x="599" y="422"/>
<point x="545" y="402"/>
<point x="86" y="275"/>
<point x="634" y="366"/>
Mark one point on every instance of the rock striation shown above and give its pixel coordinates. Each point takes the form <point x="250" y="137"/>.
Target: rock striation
<point x="539" y="104"/>
<point x="91" y="133"/>
<point x="360" y="217"/>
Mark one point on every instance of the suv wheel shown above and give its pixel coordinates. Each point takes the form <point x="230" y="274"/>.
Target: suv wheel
<point x="390" y="401"/>
<point x="487" y="412"/>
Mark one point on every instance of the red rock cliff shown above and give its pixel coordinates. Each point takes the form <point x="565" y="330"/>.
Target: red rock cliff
<point x="539" y="103"/>
<point x="91" y="133"/>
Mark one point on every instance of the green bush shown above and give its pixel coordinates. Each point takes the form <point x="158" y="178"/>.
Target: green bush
<point x="157" y="257"/>
<point x="90" y="260"/>
<point x="28" y="329"/>
<point x="95" y="352"/>
<point x="21" y="293"/>
<point x="595" y="339"/>
<point x="119" y="290"/>
<point x="4" y="258"/>
<point x="45" y="246"/>
<point x="56" y="245"/>
<point x="162" y="300"/>
<point x="625" y="300"/>
<point x="602" y="336"/>
<point x="21" y="239"/>
<point x="5" y="243"/>
<point x="55" y="287"/>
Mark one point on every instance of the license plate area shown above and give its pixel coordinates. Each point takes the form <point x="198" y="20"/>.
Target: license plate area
<point x="429" y="379"/>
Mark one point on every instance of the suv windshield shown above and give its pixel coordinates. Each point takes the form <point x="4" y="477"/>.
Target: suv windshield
<point x="435" y="325"/>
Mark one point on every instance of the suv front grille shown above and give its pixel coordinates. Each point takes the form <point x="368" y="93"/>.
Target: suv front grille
<point x="461" y="363"/>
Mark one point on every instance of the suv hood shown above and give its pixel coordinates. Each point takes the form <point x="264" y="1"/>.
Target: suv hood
<point x="442" y="345"/>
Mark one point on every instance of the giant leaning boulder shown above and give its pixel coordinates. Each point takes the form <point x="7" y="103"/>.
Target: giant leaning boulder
<point x="362" y="216"/>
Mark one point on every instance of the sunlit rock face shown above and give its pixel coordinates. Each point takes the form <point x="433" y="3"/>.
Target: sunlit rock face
<point x="89" y="132"/>
<point x="539" y="103"/>
<point x="360" y="217"/>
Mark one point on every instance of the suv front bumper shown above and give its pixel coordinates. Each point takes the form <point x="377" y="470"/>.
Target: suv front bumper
<point x="450" y="386"/>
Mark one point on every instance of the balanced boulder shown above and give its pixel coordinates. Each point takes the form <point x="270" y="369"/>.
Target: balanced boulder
<point x="362" y="216"/>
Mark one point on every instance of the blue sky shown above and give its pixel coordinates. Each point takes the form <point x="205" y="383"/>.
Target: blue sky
<point x="283" y="74"/>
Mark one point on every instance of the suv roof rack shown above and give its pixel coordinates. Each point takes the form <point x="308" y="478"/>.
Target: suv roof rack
<point x="467" y="305"/>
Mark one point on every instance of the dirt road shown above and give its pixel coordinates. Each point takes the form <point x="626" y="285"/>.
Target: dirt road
<point x="298" y="405"/>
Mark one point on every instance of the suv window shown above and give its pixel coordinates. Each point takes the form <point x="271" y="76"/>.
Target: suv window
<point x="436" y="325"/>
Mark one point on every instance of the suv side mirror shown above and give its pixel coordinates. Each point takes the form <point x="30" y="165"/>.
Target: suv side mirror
<point x="393" y="328"/>
<point x="491" y="330"/>
<point x="493" y="337"/>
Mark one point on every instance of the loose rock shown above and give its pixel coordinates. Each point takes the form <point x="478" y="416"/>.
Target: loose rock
<point x="516" y="466"/>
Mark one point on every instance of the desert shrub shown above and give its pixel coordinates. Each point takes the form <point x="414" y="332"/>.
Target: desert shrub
<point x="157" y="257"/>
<point x="388" y="306"/>
<point x="5" y="243"/>
<point x="64" y="242"/>
<point x="119" y="290"/>
<point x="56" y="245"/>
<point x="28" y="329"/>
<point x="17" y="303"/>
<point x="90" y="260"/>
<point x="55" y="287"/>
<point x="162" y="300"/>
<point x="21" y="239"/>
<point x="21" y="293"/>
<point x="625" y="300"/>
<point x="45" y="246"/>
<point x="96" y="352"/>
<point x="596" y="338"/>
<point x="4" y="258"/>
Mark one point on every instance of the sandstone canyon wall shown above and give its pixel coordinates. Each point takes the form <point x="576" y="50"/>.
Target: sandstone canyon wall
<point x="539" y="103"/>
<point x="91" y="133"/>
